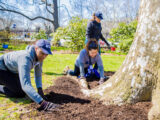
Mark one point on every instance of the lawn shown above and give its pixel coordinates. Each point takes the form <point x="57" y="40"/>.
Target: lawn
<point x="15" y="45"/>
<point x="53" y="67"/>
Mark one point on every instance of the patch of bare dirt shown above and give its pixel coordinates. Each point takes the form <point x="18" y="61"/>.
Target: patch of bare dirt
<point x="75" y="106"/>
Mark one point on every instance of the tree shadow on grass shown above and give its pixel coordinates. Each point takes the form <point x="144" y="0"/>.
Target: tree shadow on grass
<point x="52" y="73"/>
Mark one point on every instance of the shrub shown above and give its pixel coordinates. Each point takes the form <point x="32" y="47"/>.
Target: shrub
<point x="40" y="35"/>
<point x="124" y="35"/>
<point x="74" y="32"/>
<point x="5" y="36"/>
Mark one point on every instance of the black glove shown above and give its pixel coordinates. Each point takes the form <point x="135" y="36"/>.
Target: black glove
<point x="109" y="47"/>
<point x="40" y="92"/>
<point x="46" y="106"/>
<point x="106" y="78"/>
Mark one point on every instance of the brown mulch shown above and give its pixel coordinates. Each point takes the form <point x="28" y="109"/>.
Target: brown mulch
<point x="93" y="83"/>
<point x="75" y="106"/>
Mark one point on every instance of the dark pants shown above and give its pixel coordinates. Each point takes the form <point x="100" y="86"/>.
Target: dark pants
<point x="10" y="84"/>
<point x="76" y="71"/>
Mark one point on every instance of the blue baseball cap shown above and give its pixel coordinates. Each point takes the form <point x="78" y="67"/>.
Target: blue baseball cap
<point x="45" y="46"/>
<point x="99" y="15"/>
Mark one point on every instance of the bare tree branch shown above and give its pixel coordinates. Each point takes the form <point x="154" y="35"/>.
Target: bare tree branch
<point x="9" y="6"/>
<point x="5" y="7"/>
<point x="2" y="6"/>
<point x="47" y="8"/>
<point x="38" y="17"/>
<point x="64" y="6"/>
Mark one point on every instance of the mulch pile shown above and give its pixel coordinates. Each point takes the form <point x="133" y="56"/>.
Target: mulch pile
<point x="75" y="106"/>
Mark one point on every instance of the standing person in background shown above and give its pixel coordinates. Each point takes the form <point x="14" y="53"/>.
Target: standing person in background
<point x="94" y="29"/>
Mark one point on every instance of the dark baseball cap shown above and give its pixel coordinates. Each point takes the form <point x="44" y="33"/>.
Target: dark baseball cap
<point x="45" y="46"/>
<point x="99" y="15"/>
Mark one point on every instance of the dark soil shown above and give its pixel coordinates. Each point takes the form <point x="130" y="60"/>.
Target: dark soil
<point x="75" y="106"/>
<point x="93" y="83"/>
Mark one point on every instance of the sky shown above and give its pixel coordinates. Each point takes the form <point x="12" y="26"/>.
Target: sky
<point x="120" y="6"/>
<point x="30" y="10"/>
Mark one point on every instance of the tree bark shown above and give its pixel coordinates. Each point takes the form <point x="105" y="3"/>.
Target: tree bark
<point x="55" y="15"/>
<point x="138" y="79"/>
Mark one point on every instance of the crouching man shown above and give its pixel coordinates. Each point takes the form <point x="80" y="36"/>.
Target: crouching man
<point x="15" y="70"/>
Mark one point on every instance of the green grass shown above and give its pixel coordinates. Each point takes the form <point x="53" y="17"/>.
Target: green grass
<point x="52" y="68"/>
<point x="22" y="46"/>
<point x="112" y="63"/>
<point x="103" y="50"/>
<point x="59" y="48"/>
<point x="16" y="46"/>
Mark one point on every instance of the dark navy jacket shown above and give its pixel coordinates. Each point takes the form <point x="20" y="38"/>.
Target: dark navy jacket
<point x="94" y="31"/>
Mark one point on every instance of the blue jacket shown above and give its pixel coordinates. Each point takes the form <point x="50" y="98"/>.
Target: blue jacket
<point x="21" y="62"/>
<point x="94" y="31"/>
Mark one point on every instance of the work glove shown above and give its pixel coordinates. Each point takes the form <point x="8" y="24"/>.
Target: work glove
<point x="47" y="106"/>
<point x="40" y="92"/>
<point x="101" y="81"/>
<point x="83" y="82"/>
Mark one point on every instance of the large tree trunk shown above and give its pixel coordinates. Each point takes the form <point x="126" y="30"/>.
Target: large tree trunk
<point x="138" y="79"/>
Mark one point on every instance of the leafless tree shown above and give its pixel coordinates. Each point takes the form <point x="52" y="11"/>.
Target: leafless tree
<point x="78" y="6"/>
<point x="6" y="21"/>
<point x="42" y="8"/>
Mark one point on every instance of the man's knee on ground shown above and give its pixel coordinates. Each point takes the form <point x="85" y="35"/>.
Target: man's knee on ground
<point x="16" y="94"/>
<point x="19" y="94"/>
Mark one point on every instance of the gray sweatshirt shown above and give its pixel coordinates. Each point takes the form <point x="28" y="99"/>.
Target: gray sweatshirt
<point x="21" y="62"/>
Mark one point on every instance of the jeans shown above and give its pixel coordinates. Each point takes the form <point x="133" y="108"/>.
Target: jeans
<point x="10" y="84"/>
<point x="76" y="71"/>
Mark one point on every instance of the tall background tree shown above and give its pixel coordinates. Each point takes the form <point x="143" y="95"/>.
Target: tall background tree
<point x="36" y="9"/>
<point x="138" y="79"/>
<point x="46" y="11"/>
<point x="112" y="10"/>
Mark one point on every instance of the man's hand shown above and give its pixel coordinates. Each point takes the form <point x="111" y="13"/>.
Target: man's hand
<point x="40" y="92"/>
<point x="47" y="106"/>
